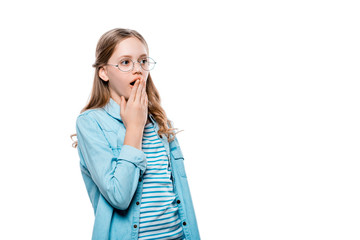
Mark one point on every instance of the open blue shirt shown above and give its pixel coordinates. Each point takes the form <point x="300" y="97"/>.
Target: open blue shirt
<point x="113" y="172"/>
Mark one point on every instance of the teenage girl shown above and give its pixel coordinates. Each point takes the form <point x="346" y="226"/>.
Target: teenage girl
<point x="130" y="158"/>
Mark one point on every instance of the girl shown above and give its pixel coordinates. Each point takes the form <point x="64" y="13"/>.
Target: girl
<point x="130" y="158"/>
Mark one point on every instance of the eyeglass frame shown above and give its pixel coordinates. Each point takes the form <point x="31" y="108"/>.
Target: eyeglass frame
<point x="117" y="65"/>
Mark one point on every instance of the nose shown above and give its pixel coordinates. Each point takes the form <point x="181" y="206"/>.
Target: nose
<point x="137" y="68"/>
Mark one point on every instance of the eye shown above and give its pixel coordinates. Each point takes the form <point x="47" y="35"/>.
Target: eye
<point x="125" y="62"/>
<point x="143" y="61"/>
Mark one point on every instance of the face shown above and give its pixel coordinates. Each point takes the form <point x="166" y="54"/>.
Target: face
<point x="119" y="81"/>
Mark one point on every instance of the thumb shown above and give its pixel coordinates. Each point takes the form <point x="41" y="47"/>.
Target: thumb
<point x="122" y="104"/>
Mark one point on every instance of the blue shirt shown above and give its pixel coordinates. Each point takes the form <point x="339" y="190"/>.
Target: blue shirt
<point x="113" y="172"/>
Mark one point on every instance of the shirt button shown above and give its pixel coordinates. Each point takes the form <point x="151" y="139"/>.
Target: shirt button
<point x="178" y="201"/>
<point x="184" y="223"/>
<point x="137" y="203"/>
<point x="135" y="226"/>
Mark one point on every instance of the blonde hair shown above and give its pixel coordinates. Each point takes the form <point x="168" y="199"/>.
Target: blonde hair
<point x="100" y="94"/>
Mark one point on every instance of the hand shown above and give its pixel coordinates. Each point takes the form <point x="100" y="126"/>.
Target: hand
<point x="134" y="112"/>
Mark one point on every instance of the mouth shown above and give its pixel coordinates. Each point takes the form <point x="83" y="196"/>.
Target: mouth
<point x="133" y="82"/>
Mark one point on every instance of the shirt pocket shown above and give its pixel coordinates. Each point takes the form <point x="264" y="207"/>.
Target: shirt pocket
<point x="179" y="162"/>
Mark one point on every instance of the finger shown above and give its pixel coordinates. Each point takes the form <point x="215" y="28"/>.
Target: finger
<point x="144" y="98"/>
<point x="133" y="91"/>
<point x="146" y="105"/>
<point x="143" y="92"/>
<point x="138" y="92"/>
<point x="122" y="105"/>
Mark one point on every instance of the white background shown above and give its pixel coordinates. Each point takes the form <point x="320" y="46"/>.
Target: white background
<point x="267" y="93"/>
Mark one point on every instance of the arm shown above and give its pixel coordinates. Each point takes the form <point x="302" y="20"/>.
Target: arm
<point x="133" y="137"/>
<point x="116" y="176"/>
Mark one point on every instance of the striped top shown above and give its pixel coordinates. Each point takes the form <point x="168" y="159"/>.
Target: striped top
<point x="159" y="217"/>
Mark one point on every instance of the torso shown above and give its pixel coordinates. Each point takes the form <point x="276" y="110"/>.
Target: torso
<point x="159" y="216"/>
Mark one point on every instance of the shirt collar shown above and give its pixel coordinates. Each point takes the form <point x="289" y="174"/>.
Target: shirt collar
<point x="113" y="109"/>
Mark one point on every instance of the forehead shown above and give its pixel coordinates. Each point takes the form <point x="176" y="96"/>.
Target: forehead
<point x="132" y="47"/>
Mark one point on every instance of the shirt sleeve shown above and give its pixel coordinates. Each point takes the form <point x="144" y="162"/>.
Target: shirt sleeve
<point x="116" y="177"/>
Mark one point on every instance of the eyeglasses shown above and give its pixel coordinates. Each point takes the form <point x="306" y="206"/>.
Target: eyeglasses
<point x="127" y="64"/>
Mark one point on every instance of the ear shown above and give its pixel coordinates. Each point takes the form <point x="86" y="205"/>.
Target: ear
<point x="103" y="74"/>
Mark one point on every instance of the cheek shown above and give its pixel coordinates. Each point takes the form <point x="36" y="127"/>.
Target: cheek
<point x="118" y="77"/>
<point x="113" y="75"/>
<point x="116" y="80"/>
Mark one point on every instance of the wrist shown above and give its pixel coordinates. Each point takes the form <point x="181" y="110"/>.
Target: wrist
<point x="133" y="137"/>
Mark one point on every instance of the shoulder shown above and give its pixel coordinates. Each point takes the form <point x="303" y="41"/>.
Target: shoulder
<point x="92" y="113"/>
<point x="88" y="119"/>
<point x="96" y="113"/>
<point x="99" y="117"/>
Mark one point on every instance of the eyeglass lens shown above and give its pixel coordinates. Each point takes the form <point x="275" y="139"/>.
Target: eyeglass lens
<point x="126" y="64"/>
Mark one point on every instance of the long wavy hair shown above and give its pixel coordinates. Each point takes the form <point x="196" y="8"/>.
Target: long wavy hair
<point x="100" y="94"/>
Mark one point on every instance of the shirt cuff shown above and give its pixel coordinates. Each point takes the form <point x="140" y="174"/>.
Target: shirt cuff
<point x="133" y="155"/>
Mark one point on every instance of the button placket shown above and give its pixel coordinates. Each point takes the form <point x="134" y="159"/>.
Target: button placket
<point x="169" y="162"/>
<point x="137" y="203"/>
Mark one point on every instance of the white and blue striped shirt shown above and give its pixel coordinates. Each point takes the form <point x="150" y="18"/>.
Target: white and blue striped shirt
<point x="159" y="217"/>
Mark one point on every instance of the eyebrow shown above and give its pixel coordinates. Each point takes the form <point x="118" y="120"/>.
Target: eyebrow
<point x="131" y="56"/>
